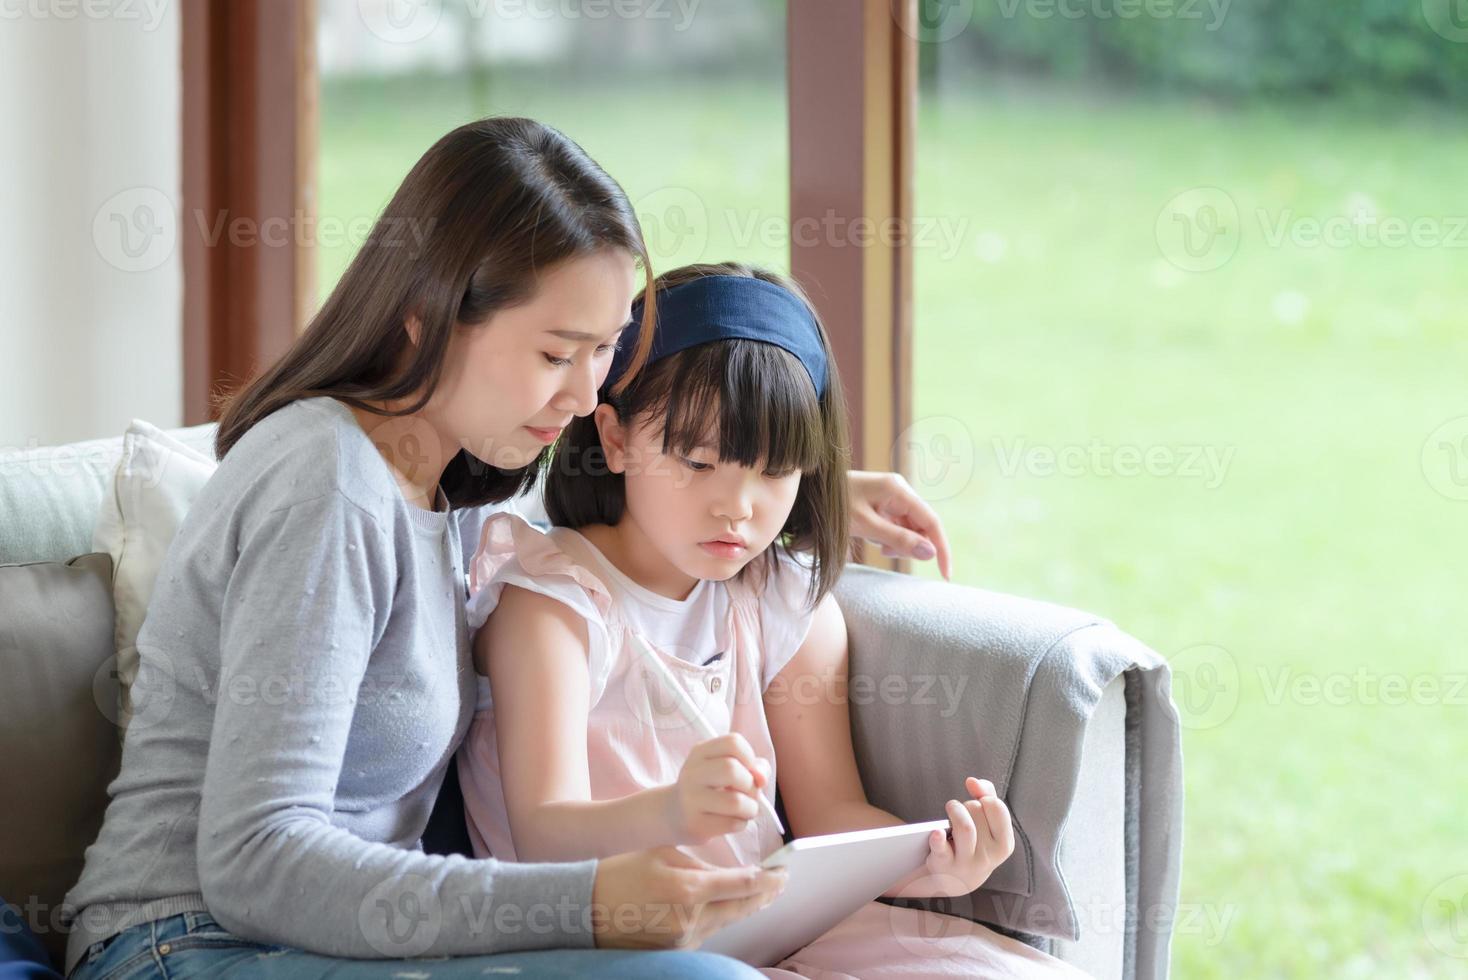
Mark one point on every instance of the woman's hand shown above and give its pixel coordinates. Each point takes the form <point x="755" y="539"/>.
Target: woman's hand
<point x="666" y="898"/>
<point x="886" y="510"/>
<point x="983" y="836"/>
<point x="715" y="792"/>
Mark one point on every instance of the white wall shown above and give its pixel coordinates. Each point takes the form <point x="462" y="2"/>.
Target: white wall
<point x="90" y="323"/>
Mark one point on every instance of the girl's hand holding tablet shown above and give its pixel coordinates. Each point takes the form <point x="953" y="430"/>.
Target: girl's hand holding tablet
<point x="982" y="837"/>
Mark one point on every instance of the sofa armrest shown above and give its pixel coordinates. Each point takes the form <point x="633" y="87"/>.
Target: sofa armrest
<point x="1072" y="721"/>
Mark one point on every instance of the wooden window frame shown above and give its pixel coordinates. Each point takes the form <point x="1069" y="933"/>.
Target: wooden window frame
<point x="853" y="108"/>
<point x="250" y="144"/>
<point x="249" y="140"/>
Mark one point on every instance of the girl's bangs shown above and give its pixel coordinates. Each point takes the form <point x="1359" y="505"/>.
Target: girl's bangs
<point x="751" y="401"/>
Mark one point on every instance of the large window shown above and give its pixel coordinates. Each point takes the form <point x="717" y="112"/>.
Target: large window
<point x="684" y="104"/>
<point x="1187" y="300"/>
<point x="1188" y="353"/>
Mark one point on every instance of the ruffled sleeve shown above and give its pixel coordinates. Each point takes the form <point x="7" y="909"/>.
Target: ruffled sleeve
<point x="512" y="552"/>
<point x="785" y="617"/>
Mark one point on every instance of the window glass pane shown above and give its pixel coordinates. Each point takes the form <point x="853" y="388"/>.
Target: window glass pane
<point x="1191" y="356"/>
<point x="682" y="103"/>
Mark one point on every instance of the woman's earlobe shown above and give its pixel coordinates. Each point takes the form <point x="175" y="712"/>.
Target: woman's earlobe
<point x="413" y="327"/>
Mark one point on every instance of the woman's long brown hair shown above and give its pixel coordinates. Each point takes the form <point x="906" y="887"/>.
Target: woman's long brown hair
<point x="481" y="216"/>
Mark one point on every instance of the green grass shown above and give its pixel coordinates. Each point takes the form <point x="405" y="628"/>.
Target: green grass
<point x="1318" y="829"/>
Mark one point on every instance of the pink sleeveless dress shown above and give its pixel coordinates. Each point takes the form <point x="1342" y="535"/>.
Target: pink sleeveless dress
<point x="637" y="739"/>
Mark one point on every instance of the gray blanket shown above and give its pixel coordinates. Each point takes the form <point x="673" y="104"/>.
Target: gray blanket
<point x="1011" y="686"/>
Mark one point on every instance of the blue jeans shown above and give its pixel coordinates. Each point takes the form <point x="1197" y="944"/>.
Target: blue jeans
<point x="22" y="957"/>
<point x="194" y="945"/>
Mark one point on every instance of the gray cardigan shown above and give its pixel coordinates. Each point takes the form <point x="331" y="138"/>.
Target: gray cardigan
<point x="305" y="680"/>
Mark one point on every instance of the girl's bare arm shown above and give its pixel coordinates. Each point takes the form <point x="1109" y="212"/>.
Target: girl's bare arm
<point x="534" y="651"/>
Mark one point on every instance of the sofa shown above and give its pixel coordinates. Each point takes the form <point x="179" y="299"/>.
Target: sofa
<point x="1069" y="716"/>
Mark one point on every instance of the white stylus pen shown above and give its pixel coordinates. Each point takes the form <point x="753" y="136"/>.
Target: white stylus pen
<point x="690" y="710"/>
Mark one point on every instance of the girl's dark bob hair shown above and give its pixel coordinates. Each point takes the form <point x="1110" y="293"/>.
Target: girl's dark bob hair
<point x="753" y="400"/>
<point x="502" y="200"/>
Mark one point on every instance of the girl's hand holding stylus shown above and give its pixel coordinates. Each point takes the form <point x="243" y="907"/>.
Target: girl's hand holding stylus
<point x="983" y="836"/>
<point x="716" y="790"/>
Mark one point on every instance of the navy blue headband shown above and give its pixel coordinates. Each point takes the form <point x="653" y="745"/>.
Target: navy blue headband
<point x="727" y="308"/>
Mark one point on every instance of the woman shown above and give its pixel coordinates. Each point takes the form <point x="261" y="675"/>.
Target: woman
<point x="269" y="818"/>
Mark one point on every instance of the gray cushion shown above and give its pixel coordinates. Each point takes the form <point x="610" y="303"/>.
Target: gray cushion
<point x="58" y="739"/>
<point x="49" y="497"/>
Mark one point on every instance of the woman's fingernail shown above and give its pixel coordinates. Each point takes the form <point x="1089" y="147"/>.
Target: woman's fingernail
<point x="924" y="550"/>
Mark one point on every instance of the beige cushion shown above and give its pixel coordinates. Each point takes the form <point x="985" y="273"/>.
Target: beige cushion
<point x="156" y="481"/>
<point x="58" y="738"/>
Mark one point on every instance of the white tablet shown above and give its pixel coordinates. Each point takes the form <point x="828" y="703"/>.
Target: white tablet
<point x="830" y="878"/>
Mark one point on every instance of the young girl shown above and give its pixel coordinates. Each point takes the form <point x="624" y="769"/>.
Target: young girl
<point x="702" y="508"/>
